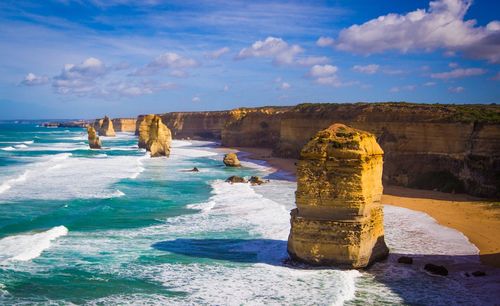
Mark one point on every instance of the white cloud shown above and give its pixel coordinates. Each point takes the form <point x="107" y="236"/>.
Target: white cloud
<point x="442" y="25"/>
<point x="168" y="60"/>
<point x="430" y="84"/>
<point x="313" y="60"/>
<point x="457" y="89"/>
<point x="324" y="41"/>
<point x="79" y="79"/>
<point x="453" y="65"/>
<point x="327" y="75"/>
<point x="128" y="89"/>
<point x="368" y="69"/>
<point x="196" y="99"/>
<point x="226" y="88"/>
<point x="458" y="73"/>
<point x="285" y="86"/>
<point x="32" y="79"/>
<point x="178" y="73"/>
<point x="322" y="70"/>
<point x="276" y="48"/>
<point x="217" y="53"/>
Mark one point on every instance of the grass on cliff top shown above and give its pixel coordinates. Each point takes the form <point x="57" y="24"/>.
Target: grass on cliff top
<point x="487" y="113"/>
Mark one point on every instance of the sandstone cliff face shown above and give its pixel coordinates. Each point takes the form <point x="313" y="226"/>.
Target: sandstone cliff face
<point x="124" y="124"/>
<point x="94" y="142"/>
<point x="444" y="147"/>
<point x="104" y="127"/>
<point x="427" y="146"/>
<point x="339" y="218"/>
<point x="154" y="136"/>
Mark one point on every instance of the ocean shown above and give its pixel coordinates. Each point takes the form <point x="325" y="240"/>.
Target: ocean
<point x="114" y="226"/>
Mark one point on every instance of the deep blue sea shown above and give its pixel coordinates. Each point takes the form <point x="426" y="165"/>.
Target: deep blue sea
<point x="114" y="226"/>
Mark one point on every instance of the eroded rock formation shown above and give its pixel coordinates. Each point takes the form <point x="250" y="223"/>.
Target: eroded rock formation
<point x="94" y="142"/>
<point x="104" y="127"/>
<point x="231" y="160"/>
<point x="154" y="136"/>
<point x="339" y="218"/>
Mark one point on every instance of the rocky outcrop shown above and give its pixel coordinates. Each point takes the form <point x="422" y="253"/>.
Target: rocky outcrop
<point x="124" y="124"/>
<point x="154" y="136"/>
<point x="235" y="179"/>
<point x="339" y="218"/>
<point x="197" y="125"/>
<point x="231" y="160"/>
<point x="104" y="127"/>
<point x="94" y="142"/>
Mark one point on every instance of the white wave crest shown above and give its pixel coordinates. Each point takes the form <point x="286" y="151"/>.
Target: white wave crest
<point x="28" y="246"/>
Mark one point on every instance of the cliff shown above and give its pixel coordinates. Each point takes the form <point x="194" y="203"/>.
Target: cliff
<point x="451" y="148"/>
<point x="124" y="124"/>
<point x="154" y="136"/>
<point x="339" y="218"/>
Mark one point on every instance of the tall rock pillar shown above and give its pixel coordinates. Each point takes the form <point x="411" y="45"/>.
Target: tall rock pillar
<point x="339" y="218"/>
<point x="154" y="136"/>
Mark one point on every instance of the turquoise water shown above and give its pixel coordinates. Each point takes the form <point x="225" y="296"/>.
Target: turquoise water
<point x="113" y="226"/>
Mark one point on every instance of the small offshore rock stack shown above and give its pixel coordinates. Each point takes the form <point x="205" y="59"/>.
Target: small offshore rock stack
<point x="231" y="160"/>
<point x="104" y="127"/>
<point x="154" y="136"/>
<point x="339" y="218"/>
<point x="94" y="141"/>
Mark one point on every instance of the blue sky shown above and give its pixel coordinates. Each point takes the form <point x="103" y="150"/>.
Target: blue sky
<point x="84" y="59"/>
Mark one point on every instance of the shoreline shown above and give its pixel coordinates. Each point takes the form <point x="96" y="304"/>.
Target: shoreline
<point x="476" y="218"/>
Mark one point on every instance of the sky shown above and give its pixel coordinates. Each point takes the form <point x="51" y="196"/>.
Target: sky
<point x="85" y="59"/>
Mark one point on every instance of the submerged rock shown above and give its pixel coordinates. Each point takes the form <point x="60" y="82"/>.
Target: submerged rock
<point x="405" y="260"/>
<point x="94" y="142"/>
<point x="154" y="136"/>
<point x="478" y="273"/>
<point x="435" y="269"/>
<point x="236" y="179"/>
<point x="339" y="218"/>
<point x="231" y="160"/>
<point x="255" y="180"/>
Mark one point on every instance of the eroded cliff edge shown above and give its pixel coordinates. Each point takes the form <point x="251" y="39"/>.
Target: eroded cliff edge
<point x="451" y="148"/>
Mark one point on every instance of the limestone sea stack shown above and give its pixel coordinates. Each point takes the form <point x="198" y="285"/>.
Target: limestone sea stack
<point x="154" y="136"/>
<point x="94" y="141"/>
<point x="231" y="160"/>
<point x="104" y="127"/>
<point x="339" y="219"/>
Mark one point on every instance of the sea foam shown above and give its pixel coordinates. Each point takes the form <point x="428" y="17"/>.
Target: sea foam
<point x="28" y="246"/>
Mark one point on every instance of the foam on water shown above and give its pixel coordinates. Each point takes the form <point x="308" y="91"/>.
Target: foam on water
<point x="90" y="177"/>
<point x="10" y="148"/>
<point x="28" y="246"/>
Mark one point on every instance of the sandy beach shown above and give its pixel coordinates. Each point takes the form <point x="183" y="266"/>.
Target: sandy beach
<point x="476" y="218"/>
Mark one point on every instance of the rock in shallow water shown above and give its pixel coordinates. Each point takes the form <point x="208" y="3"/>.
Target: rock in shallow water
<point x="339" y="219"/>
<point x="154" y="136"/>
<point x="231" y="160"/>
<point x="235" y="179"/>
<point x="405" y="260"/>
<point x="435" y="269"/>
<point x="94" y="142"/>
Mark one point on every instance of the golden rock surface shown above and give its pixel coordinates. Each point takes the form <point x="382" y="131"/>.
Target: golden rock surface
<point x="154" y="136"/>
<point x="94" y="142"/>
<point x="104" y="127"/>
<point x="231" y="160"/>
<point x="339" y="218"/>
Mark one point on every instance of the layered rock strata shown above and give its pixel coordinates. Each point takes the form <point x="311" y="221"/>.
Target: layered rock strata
<point x="231" y="160"/>
<point x="94" y="141"/>
<point x="154" y="136"/>
<point x="339" y="218"/>
<point x="104" y="127"/>
<point x="124" y="124"/>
